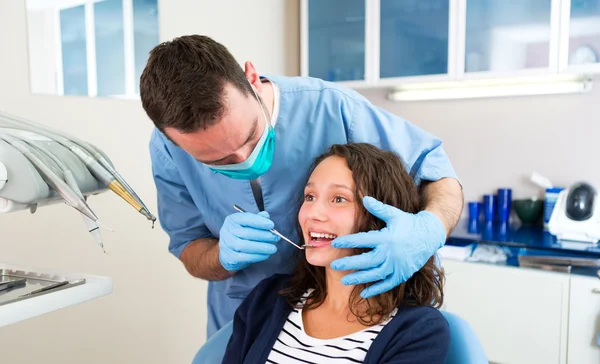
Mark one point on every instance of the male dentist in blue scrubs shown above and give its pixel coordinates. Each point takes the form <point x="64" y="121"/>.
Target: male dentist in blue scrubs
<point x="224" y="136"/>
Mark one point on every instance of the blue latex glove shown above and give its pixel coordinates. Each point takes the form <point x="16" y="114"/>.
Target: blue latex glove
<point x="245" y="239"/>
<point x="399" y="250"/>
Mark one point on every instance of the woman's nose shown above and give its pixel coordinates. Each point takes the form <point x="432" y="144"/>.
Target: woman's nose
<point x="317" y="211"/>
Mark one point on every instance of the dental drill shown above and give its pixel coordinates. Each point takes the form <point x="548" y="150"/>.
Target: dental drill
<point x="98" y="163"/>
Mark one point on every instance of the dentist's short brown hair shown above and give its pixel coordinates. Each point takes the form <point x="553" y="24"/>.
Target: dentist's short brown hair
<point x="183" y="83"/>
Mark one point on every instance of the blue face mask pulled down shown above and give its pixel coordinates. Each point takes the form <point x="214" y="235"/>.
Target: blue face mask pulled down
<point x="259" y="161"/>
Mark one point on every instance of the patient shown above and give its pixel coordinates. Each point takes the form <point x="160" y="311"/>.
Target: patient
<point x="310" y="316"/>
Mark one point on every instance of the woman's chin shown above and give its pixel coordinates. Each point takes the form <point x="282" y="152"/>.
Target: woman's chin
<point x="319" y="257"/>
<point x="322" y="257"/>
<point x="318" y="261"/>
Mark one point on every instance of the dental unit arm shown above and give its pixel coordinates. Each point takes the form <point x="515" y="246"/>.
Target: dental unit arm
<point x="41" y="166"/>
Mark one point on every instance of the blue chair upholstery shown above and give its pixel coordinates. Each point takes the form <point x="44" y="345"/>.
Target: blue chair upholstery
<point x="465" y="348"/>
<point x="213" y="350"/>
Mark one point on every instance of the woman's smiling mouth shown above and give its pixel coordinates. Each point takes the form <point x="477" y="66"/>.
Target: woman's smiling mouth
<point x="320" y="239"/>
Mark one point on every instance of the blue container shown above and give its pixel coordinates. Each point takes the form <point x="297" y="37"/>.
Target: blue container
<point x="474" y="210"/>
<point x="489" y="207"/>
<point x="504" y="204"/>
<point x="550" y="201"/>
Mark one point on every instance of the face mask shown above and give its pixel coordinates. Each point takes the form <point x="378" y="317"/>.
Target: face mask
<point x="259" y="161"/>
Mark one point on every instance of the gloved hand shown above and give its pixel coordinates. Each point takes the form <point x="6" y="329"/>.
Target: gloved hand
<point x="398" y="250"/>
<point x="245" y="239"/>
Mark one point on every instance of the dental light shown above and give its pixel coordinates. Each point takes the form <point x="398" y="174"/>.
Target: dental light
<point x="490" y="88"/>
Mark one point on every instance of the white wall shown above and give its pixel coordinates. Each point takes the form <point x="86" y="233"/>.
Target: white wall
<point x="496" y="143"/>
<point x="157" y="313"/>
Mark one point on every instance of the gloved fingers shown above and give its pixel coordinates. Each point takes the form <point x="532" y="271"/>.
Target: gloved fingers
<point x="359" y="262"/>
<point x="265" y="214"/>
<point x="370" y="239"/>
<point x="380" y="287"/>
<point x="244" y="233"/>
<point x="248" y="219"/>
<point x="253" y="247"/>
<point x="367" y="276"/>
<point x="380" y="210"/>
<point x="435" y="228"/>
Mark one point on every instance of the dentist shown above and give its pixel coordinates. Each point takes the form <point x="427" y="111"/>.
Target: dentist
<point x="225" y="135"/>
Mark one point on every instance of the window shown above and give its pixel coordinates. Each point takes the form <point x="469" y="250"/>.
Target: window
<point x="90" y="47"/>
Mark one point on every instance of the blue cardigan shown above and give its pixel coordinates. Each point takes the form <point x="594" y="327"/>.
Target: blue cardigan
<point x="417" y="334"/>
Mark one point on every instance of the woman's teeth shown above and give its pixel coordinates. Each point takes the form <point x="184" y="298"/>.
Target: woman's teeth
<point x="322" y="236"/>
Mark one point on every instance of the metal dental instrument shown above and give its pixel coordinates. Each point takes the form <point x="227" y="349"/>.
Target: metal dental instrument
<point x="96" y="161"/>
<point x="273" y="230"/>
<point x="51" y="178"/>
<point x="92" y="226"/>
<point x="44" y="289"/>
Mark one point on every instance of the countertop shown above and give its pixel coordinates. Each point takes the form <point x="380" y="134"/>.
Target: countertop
<point x="515" y="235"/>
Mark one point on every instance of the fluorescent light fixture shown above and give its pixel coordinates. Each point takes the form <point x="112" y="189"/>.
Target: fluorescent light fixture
<point x="491" y="88"/>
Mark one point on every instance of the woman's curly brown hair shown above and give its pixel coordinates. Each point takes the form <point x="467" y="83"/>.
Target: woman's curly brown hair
<point x="381" y="175"/>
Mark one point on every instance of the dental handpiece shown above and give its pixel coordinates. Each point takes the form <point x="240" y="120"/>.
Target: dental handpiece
<point x="104" y="162"/>
<point x="107" y="178"/>
<point x="273" y="230"/>
<point x="40" y="151"/>
<point x="51" y="178"/>
<point x="92" y="226"/>
<point x="93" y="158"/>
<point x="114" y="183"/>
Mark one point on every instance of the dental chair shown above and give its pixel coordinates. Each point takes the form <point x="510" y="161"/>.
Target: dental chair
<point x="465" y="348"/>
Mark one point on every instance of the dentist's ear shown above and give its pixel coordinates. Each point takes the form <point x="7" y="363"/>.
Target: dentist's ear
<point x="252" y="76"/>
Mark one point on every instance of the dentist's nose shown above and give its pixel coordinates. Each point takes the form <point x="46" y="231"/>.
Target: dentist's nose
<point x="241" y="155"/>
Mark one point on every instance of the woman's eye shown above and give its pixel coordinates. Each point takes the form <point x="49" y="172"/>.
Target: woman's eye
<point x="339" y="199"/>
<point x="308" y="198"/>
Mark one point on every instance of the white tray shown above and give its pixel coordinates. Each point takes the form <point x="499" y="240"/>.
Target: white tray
<point x="81" y="288"/>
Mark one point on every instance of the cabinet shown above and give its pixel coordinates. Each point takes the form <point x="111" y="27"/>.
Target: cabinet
<point x="580" y="38"/>
<point x="519" y="315"/>
<point x="584" y="320"/>
<point x="370" y="43"/>
<point x="509" y="36"/>
<point x="413" y="38"/>
<point x="523" y="315"/>
<point x="336" y="39"/>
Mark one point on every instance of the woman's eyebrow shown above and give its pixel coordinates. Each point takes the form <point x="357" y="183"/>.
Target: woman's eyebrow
<point x="334" y="185"/>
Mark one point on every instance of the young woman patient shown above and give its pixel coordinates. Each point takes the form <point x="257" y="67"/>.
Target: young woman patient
<point x="310" y="316"/>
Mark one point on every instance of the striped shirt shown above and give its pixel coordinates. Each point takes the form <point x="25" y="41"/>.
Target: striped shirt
<point x="294" y="346"/>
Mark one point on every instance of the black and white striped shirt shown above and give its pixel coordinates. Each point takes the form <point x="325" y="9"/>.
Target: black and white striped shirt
<point x="294" y="346"/>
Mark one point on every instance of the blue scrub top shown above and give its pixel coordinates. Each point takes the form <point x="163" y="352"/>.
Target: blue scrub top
<point x="193" y="201"/>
